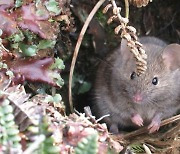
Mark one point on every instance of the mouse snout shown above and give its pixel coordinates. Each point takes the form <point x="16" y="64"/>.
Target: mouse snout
<point x="137" y="98"/>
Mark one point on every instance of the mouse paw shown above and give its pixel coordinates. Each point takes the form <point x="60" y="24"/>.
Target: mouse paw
<point x="136" y="119"/>
<point x="155" y="123"/>
<point x="154" y="126"/>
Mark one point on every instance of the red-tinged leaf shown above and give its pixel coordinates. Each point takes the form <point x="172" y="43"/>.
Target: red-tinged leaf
<point x="4" y="4"/>
<point x="8" y="24"/>
<point x="33" y="70"/>
<point x="43" y="28"/>
<point x="29" y="12"/>
<point x="35" y="19"/>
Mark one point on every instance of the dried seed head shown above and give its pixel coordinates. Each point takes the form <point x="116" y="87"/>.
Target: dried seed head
<point x="144" y="56"/>
<point x="141" y="60"/>
<point x="135" y="52"/>
<point x="116" y="10"/>
<point x="139" y="64"/>
<point x="141" y="68"/>
<point x="131" y="29"/>
<point x="134" y="36"/>
<point x="129" y="33"/>
<point x="127" y="36"/>
<point x="139" y="3"/>
<point x="131" y="44"/>
<point x="117" y="29"/>
<point x="124" y="20"/>
<point x="139" y="45"/>
<point x="111" y="19"/>
<point x="107" y="8"/>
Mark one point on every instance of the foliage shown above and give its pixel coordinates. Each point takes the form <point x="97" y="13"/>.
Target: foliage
<point x="52" y="6"/>
<point x="44" y="44"/>
<point x="58" y="64"/>
<point x="80" y="85"/>
<point x="137" y="148"/>
<point x="47" y="145"/>
<point x="28" y="50"/>
<point x="18" y="43"/>
<point x="8" y="129"/>
<point x="28" y="38"/>
<point x="56" y="98"/>
<point x="18" y="3"/>
<point x="35" y="36"/>
<point x="88" y="145"/>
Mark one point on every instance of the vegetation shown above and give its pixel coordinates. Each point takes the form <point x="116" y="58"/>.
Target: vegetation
<point x="37" y="42"/>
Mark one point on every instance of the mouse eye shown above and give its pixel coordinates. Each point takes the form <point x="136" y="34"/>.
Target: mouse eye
<point x="155" y="81"/>
<point x="133" y="75"/>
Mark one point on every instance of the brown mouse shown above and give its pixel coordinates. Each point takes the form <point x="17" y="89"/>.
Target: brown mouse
<point x="134" y="101"/>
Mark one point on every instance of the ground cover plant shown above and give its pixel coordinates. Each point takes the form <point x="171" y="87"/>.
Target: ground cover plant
<point x="44" y="66"/>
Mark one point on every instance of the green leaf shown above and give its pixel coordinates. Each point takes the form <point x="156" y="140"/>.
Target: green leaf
<point x="58" y="79"/>
<point x="84" y="87"/>
<point x="44" y="44"/>
<point x="59" y="64"/>
<point x="57" y="98"/>
<point x="60" y="82"/>
<point x="12" y="131"/>
<point x="47" y="145"/>
<point x="18" y="3"/>
<point x="8" y="109"/>
<point x="40" y="12"/>
<point x="28" y="50"/>
<point x="53" y="6"/>
<point x="48" y="99"/>
<point x="33" y="129"/>
<point x="137" y="148"/>
<point x="87" y="145"/>
<point x="10" y="124"/>
<point x="15" y="138"/>
<point x="10" y="74"/>
<point x="9" y="131"/>
<point x="3" y="65"/>
<point x="53" y="149"/>
<point x="15" y="45"/>
<point x="2" y="121"/>
<point x="19" y="37"/>
<point x="30" y="36"/>
<point x="9" y="117"/>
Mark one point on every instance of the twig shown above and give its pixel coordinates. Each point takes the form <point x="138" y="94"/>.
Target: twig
<point x="144" y="129"/>
<point x="88" y="113"/>
<point x="76" y="50"/>
<point x="107" y="115"/>
<point x="127" y="8"/>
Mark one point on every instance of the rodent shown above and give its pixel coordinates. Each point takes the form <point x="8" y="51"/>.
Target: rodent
<point x="134" y="101"/>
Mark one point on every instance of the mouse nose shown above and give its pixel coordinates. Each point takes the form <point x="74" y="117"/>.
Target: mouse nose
<point x="137" y="98"/>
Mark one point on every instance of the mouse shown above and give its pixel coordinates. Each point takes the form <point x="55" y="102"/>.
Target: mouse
<point x="132" y="100"/>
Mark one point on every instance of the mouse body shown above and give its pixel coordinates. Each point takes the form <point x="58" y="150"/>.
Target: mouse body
<point x="132" y="100"/>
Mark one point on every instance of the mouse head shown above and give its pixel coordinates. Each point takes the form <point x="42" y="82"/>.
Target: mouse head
<point x="160" y="77"/>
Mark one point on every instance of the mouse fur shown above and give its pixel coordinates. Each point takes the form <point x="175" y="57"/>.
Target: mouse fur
<point x="132" y="100"/>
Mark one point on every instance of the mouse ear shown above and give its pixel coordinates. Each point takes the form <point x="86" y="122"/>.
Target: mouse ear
<point x="125" y="50"/>
<point x="171" y="56"/>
